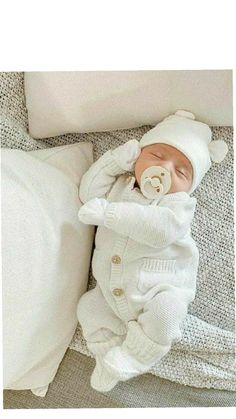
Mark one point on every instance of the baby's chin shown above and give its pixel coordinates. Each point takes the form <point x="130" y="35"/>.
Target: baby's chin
<point x="175" y="190"/>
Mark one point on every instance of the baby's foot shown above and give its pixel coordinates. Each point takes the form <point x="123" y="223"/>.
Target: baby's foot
<point x="122" y="365"/>
<point x="101" y="379"/>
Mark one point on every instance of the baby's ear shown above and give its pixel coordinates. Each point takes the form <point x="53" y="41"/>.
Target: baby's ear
<point x="218" y="150"/>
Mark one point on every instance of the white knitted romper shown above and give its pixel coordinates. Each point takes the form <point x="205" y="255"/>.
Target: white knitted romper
<point x="145" y="263"/>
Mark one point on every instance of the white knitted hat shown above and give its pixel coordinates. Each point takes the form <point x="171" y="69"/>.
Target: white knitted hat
<point x="192" y="138"/>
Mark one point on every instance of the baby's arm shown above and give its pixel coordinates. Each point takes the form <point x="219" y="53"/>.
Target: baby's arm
<point x="156" y="226"/>
<point x="101" y="175"/>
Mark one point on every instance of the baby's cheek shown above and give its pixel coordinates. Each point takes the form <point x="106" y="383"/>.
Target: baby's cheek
<point x="142" y="163"/>
<point x="138" y="171"/>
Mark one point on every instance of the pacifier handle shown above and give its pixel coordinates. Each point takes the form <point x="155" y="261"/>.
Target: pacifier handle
<point x="160" y="188"/>
<point x="155" y="182"/>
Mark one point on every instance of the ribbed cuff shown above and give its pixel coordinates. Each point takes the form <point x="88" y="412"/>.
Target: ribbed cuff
<point x="111" y="215"/>
<point x="141" y="346"/>
<point x="101" y="348"/>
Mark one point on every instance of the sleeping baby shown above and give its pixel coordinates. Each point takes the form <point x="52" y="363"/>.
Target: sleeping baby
<point x="145" y="260"/>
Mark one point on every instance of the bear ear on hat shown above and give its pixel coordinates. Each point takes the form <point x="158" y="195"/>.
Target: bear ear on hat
<point x="217" y="150"/>
<point x="185" y="114"/>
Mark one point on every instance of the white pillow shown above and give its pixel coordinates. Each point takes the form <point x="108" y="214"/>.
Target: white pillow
<point x="85" y="101"/>
<point x="45" y="258"/>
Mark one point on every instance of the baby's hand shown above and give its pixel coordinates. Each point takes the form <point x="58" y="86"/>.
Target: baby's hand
<point x="93" y="211"/>
<point x="126" y="154"/>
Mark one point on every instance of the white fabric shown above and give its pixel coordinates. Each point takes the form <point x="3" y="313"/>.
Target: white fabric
<point x="40" y="391"/>
<point x="192" y="138"/>
<point x="126" y="154"/>
<point x="101" y="379"/>
<point x="122" y="365"/>
<point x="45" y="259"/>
<point x="145" y="263"/>
<point x="60" y="102"/>
<point x="93" y="212"/>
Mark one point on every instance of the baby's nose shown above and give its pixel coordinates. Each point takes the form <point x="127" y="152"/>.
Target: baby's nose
<point x="168" y="165"/>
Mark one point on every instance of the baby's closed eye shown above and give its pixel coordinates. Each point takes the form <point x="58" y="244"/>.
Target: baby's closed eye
<point x="182" y="172"/>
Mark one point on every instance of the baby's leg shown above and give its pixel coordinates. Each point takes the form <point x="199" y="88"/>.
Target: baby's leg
<point x="149" y="338"/>
<point x="102" y="330"/>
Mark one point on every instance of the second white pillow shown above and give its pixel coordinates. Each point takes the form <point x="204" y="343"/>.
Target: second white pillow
<point x="45" y="259"/>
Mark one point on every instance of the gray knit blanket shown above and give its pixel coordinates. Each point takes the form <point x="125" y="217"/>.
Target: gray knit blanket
<point x="205" y="355"/>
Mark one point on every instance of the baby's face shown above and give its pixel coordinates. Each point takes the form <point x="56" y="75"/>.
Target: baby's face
<point x="171" y="159"/>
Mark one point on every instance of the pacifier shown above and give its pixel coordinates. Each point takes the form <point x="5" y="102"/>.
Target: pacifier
<point x="155" y="182"/>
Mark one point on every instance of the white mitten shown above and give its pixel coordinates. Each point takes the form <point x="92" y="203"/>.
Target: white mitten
<point x="126" y="154"/>
<point x="122" y="365"/>
<point x="93" y="211"/>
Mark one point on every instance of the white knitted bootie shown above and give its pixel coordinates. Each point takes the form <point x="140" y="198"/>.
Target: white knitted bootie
<point x="122" y="365"/>
<point x="101" y="379"/>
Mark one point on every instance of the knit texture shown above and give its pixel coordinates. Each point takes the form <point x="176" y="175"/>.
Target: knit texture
<point x="160" y="225"/>
<point x="141" y="346"/>
<point x="101" y="379"/>
<point x="205" y="355"/>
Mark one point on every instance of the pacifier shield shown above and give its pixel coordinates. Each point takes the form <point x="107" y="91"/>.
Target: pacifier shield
<point x="155" y="182"/>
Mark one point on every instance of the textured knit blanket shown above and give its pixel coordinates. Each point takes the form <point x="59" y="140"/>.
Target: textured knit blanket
<point x="205" y="356"/>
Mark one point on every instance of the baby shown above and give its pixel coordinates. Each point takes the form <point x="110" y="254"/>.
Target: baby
<point x="145" y="260"/>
